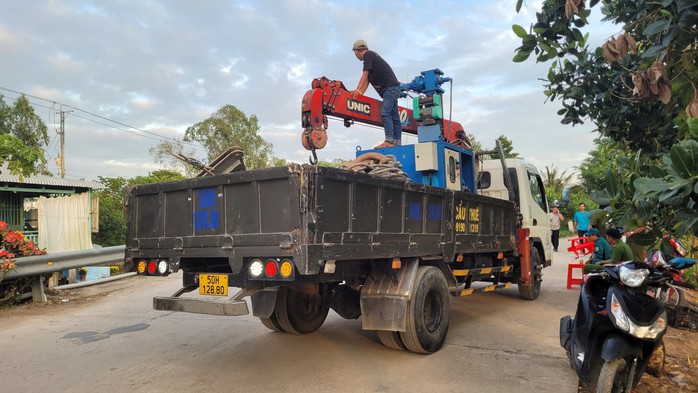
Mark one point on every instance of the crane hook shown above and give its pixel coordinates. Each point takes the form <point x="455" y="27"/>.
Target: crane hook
<point x="313" y="159"/>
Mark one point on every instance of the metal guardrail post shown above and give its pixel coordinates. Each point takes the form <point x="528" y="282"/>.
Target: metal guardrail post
<point x="38" y="294"/>
<point x="37" y="265"/>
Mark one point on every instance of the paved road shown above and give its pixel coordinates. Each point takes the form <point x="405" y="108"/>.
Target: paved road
<point x="110" y="340"/>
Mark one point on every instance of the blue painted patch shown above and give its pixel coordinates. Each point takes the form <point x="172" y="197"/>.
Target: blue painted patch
<point x="206" y="215"/>
<point x="207" y="198"/>
<point x="434" y="212"/>
<point x="414" y="211"/>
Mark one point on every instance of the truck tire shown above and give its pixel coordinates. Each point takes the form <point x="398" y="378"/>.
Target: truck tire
<point x="391" y="340"/>
<point x="272" y="323"/>
<point x="428" y="312"/>
<point x="300" y="312"/>
<point x="532" y="290"/>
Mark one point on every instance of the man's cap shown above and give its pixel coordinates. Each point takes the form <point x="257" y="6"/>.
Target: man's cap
<point x="593" y="232"/>
<point x="614" y="233"/>
<point x="359" y="44"/>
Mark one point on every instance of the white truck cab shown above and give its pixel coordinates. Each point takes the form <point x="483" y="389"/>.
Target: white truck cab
<point x="529" y="193"/>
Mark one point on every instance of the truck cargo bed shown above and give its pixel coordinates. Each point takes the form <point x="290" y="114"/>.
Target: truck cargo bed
<point x="312" y="215"/>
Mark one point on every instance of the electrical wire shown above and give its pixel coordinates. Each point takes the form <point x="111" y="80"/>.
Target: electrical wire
<point x="156" y="135"/>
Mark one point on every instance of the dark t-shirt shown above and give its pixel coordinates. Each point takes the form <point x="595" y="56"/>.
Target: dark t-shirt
<point x="380" y="75"/>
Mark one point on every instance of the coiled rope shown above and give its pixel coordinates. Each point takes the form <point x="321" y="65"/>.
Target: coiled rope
<point x="377" y="164"/>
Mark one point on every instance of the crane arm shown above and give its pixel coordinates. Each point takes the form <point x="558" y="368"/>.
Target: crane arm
<point x="331" y="98"/>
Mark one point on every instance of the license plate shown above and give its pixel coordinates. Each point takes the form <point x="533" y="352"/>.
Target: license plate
<point x="213" y="284"/>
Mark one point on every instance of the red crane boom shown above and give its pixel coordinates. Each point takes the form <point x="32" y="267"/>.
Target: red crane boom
<point x="331" y="98"/>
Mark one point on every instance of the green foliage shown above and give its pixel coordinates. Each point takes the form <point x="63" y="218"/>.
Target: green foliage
<point x="159" y="176"/>
<point x="21" y="159"/>
<point x="590" y="86"/>
<point x="604" y="156"/>
<point x="228" y="127"/>
<point x="332" y="164"/>
<point x="507" y="147"/>
<point x="555" y="181"/>
<point x="112" y="223"/>
<point x="22" y="137"/>
<point x="639" y="90"/>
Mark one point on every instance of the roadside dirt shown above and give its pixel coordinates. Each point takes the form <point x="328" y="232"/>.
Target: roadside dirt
<point x="680" y="368"/>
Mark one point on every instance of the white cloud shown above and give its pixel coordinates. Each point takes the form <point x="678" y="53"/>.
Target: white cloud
<point x="164" y="66"/>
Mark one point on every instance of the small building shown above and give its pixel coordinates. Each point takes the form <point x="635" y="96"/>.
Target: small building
<point x="19" y="196"/>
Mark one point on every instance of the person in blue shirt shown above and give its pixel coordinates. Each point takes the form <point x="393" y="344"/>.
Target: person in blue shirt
<point x="602" y="251"/>
<point x="581" y="220"/>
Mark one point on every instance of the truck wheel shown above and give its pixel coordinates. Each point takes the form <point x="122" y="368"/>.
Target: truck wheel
<point x="532" y="290"/>
<point x="272" y="323"/>
<point x="391" y="340"/>
<point x="427" y="312"/>
<point x="300" y="311"/>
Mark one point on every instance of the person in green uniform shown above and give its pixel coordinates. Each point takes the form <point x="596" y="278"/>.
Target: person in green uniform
<point x="602" y="251"/>
<point x="620" y="252"/>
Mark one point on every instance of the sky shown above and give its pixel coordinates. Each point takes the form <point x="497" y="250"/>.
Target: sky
<point x="131" y="74"/>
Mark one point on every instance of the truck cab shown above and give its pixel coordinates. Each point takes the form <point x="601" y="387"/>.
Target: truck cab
<point x="529" y="193"/>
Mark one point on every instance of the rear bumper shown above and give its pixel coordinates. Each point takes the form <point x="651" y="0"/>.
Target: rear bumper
<point x="222" y="307"/>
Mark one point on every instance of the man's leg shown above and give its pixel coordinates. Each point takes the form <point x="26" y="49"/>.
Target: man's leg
<point x="555" y="238"/>
<point x="390" y="97"/>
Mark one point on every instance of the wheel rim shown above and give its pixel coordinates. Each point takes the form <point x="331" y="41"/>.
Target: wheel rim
<point x="432" y="311"/>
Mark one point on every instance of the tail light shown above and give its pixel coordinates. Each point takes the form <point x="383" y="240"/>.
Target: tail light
<point x="141" y="266"/>
<point x="270" y="269"/>
<point x="152" y="267"/>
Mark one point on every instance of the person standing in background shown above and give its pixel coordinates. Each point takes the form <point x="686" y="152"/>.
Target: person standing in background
<point x="639" y="252"/>
<point x="555" y="217"/>
<point x="581" y="220"/>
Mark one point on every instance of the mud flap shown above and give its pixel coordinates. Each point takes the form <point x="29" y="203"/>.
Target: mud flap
<point x="385" y="295"/>
<point x="263" y="303"/>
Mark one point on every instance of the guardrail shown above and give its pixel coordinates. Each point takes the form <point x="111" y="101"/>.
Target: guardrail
<point x="37" y="265"/>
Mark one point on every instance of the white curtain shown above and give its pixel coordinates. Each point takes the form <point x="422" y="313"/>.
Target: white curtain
<point x="64" y="223"/>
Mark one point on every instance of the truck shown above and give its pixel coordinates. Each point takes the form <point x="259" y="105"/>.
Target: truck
<point x="300" y="240"/>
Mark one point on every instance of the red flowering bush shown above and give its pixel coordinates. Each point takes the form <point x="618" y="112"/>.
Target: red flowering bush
<point x="6" y="263"/>
<point x="14" y="243"/>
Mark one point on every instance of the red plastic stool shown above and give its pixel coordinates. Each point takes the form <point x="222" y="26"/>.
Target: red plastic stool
<point x="570" y="271"/>
<point x="581" y="248"/>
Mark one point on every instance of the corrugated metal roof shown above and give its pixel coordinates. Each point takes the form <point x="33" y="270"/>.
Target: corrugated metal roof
<point x="51" y="181"/>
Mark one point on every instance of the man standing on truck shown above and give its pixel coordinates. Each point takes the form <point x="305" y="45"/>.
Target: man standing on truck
<point x="378" y="72"/>
<point x="581" y="220"/>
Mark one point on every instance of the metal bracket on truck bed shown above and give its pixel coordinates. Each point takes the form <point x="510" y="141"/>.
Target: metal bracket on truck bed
<point x="231" y="307"/>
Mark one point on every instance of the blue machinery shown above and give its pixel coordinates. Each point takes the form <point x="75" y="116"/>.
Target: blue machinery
<point x="432" y="161"/>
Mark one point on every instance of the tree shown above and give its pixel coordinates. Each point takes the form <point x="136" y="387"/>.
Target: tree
<point x="27" y="126"/>
<point x="112" y="223"/>
<point x="507" y="147"/>
<point x="227" y="127"/>
<point x="638" y="88"/>
<point x="166" y="154"/>
<point x="555" y="180"/>
<point x="22" y="137"/>
<point x="604" y="156"/>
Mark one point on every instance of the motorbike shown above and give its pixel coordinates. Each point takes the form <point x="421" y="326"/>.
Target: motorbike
<point x="672" y="262"/>
<point x="617" y="326"/>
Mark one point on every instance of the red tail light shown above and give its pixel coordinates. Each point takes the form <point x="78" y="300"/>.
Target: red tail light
<point x="152" y="267"/>
<point x="271" y="268"/>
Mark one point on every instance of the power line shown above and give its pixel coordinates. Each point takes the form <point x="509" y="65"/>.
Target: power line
<point x="156" y="135"/>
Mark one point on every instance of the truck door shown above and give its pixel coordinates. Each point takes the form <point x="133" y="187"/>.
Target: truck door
<point x="538" y="212"/>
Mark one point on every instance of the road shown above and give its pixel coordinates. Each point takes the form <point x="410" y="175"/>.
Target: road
<point x="107" y="338"/>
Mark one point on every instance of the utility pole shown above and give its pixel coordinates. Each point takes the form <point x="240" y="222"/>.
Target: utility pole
<point x="61" y="161"/>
